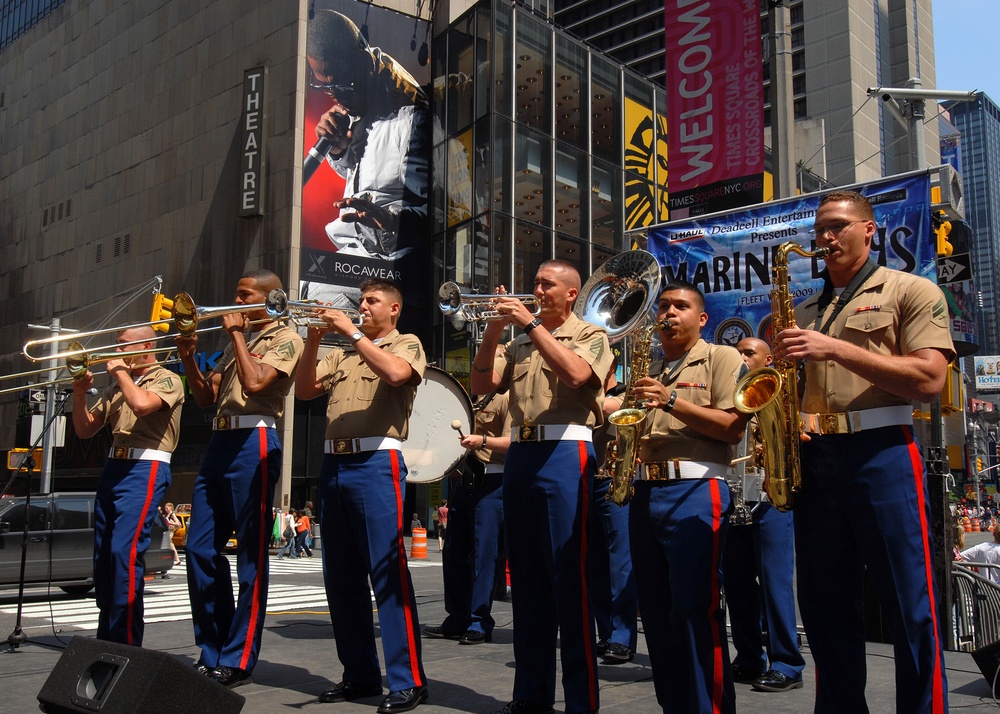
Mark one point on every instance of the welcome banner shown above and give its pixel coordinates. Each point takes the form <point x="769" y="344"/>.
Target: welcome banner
<point x="715" y="105"/>
<point x="729" y="255"/>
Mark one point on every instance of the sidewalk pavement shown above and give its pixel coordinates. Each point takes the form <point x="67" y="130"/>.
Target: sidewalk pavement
<point x="298" y="661"/>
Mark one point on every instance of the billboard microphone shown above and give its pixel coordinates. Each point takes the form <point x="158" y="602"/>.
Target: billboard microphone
<point x="315" y="157"/>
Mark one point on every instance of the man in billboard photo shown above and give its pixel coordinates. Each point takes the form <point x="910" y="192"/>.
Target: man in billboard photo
<point x="376" y="135"/>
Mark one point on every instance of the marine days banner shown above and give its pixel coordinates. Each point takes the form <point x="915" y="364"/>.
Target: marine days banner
<point x="715" y="105"/>
<point x="728" y="256"/>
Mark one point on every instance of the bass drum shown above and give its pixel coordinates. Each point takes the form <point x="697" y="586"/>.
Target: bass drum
<point x="431" y="450"/>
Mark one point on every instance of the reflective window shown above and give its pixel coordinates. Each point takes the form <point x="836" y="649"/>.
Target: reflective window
<point x="576" y="253"/>
<point x="482" y="170"/>
<point x="501" y="228"/>
<point x="571" y="114"/>
<point x="502" y="165"/>
<point x="462" y="71"/>
<point x="38" y="520"/>
<point x="73" y="514"/>
<point x="533" y="165"/>
<point x="605" y="110"/>
<point x="605" y="205"/>
<point x="484" y="74"/>
<point x="459" y="153"/>
<point x="533" y="74"/>
<point x="532" y="247"/>
<point x="571" y="184"/>
<point x="503" y="60"/>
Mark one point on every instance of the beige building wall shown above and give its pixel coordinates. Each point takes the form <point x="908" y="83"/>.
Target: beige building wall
<point x="120" y="140"/>
<point x="842" y="63"/>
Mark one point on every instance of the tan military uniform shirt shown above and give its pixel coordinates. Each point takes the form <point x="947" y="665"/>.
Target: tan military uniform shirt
<point x="360" y="403"/>
<point x="536" y="394"/>
<point x="159" y="430"/>
<point x="706" y="378"/>
<point x="894" y="313"/>
<point x="278" y="346"/>
<point x="492" y="420"/>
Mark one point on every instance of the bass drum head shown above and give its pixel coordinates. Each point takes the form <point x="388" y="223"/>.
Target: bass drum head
<point x="432" y="450"/>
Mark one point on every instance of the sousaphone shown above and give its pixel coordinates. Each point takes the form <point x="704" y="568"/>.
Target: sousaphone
<point x="620" y="294"/>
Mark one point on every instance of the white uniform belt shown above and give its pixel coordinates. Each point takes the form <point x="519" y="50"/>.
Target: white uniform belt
<point x="851" y="422"/>
<point x="552" y="432"/>
<point x="670" y="470"/>
<point x="242" y="421"/>
<point x="124" y="452"/>
<point x="494" y="468"/>
<point x="365" y="443"/>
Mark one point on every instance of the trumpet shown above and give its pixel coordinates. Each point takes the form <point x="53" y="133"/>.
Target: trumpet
<point x="301" y="312"/>
<point x="476" y="307"/>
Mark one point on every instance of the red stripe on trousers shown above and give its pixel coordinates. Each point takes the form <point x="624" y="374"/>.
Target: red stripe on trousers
<point x="150" y="489"/>
<point x="584" y="592"/>
<point x="937" y="688"/>
<point x="261" y="550"/>
<point x="411" y="644"/>
<point x="717" y="674"/>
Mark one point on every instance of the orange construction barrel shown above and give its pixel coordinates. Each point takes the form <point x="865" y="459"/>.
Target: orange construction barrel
<point x="975" y="525"/>
<point x="418" y="543"/>
<point x="967" y="525"/>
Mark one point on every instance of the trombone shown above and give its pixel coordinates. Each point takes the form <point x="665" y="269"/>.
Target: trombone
<point x="476" y="307"/>
<point x="278" y="306"/>
<point x="186" y="318"/>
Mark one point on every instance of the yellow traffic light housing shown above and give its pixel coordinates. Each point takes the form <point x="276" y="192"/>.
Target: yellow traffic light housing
<point x="162" y="310"/>
<point x="979" y="465"/>
<point x="16" y="456"/>
<point x="944" y="247"/>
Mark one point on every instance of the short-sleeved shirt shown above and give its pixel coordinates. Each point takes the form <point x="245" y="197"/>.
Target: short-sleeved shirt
<point x="360" y="403"/>
<point x="278" y="346"/>
<point x="492" y="420"/>
<point x="707" y="378"/>
<point x="893" y="313"/>
<point x="537" y="396"/>
<point x="158" y="430"/>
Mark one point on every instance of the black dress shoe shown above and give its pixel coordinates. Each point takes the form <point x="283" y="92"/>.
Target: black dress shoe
<point x="519" y="707"/>
<point x="231" y="676"/>
<point x="774" y="681"/>
<point x="441" y="633"/>
<point x="403" y="701"/>
<point x="617" y="653"/>
<point x="745" y="675"/>
<point x="349" y="691"/>
<point x="602" y="647"/>
<point x="202" y="668"/>
<point x="474" y="637"/>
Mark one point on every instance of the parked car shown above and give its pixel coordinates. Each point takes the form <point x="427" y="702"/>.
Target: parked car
<point x="183" y="513"/>
<point x="60" y="547"/>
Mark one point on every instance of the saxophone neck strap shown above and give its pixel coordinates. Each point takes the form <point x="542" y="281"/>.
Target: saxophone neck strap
<point x="826" y="297"/>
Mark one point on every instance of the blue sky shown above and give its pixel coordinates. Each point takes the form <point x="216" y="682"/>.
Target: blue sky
<point x="966" y="38"/>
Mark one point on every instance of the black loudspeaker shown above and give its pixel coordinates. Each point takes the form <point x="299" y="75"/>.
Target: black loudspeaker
<point x="988" y="660"/>
<point x="99" y="676"/>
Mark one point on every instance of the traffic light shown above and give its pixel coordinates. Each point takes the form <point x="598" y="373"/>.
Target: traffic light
<point x="979" y="465"/>
<point x="943" y="230"/>
<point x="162" y="310"/>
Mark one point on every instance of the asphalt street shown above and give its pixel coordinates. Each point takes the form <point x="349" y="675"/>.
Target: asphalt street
<point x="298" y="656"/>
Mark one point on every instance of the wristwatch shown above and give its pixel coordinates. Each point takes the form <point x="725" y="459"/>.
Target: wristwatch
<point x="531" y="325"/>
<point x="356" y="337"/>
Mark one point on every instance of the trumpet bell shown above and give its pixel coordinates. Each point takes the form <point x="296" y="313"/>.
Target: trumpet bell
<point x="449" y="298"/>
<point x="620" y="294"/>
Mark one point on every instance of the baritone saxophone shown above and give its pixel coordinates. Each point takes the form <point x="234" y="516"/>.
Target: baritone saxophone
<point x="772" y="393"/>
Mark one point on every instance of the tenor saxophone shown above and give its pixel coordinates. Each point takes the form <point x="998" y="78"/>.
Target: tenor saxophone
<point x="773" y="393"/>
<point x="623" y="453"/>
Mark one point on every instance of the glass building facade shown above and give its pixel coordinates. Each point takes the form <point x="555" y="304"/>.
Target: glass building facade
<point x="531" y="127"/>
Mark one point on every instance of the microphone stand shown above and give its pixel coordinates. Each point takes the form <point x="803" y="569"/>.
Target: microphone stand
<point x="17" y="637"/>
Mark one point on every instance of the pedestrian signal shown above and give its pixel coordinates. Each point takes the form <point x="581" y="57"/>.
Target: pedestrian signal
<point x="16" y="458"/>
<point x="162" y="310"/>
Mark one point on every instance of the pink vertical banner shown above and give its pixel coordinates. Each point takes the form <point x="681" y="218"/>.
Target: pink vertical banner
<point x="715" y="105"/>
